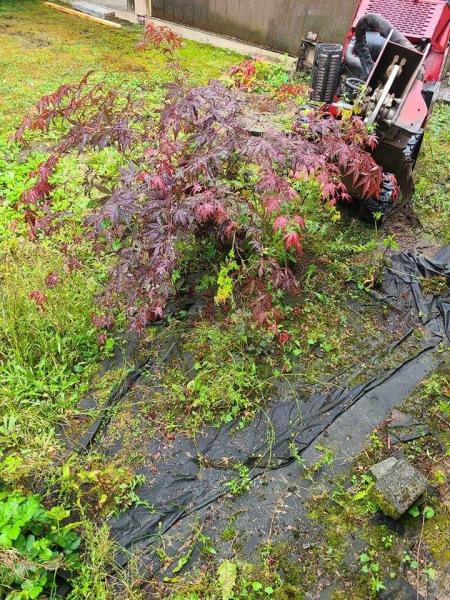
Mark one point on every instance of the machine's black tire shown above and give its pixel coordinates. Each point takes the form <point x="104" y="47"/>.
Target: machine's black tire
<point x="412" y="148"/>
<point x="384" y="204"/>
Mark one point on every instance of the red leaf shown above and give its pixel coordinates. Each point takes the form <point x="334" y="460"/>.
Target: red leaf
<point x="102" y="338"/>
<point x="280" y="223"/>
<point x="292" y="240"/>
<point x="283" y="337"/>
<point x="52" y="279"/>
<point x="300" y="221"/>
<point x="39" y="298"/>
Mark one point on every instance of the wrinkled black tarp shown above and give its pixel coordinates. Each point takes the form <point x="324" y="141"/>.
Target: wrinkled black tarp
<point x="194" y="473"/>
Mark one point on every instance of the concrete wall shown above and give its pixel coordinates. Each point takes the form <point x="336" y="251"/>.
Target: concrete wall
<point x="275" y="24"/>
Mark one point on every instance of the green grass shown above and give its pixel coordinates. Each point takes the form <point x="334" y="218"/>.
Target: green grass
<point x="231" y="375"/>
<point x="432" y="197"/>
<point x="42" y="48"/>
<point x="49" y="354"/>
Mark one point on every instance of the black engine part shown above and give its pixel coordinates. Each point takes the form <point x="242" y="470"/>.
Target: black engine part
<point x="382" y="206"/>
<point x="351" y="87"/>
<point x="326" y="72"/>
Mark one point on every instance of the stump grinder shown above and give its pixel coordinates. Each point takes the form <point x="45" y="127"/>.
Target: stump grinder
<point x="388" y="71"/>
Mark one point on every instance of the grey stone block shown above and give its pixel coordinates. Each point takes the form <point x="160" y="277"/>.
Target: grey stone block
<point x="95" y="10"/>
<point x="400" y="487"/>
<point x="380" y="469"/>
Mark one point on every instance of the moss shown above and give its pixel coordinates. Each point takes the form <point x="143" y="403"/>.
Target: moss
<point x="437" y="537"/>
<point x="383" y="505"/>
<point x="437" y="285"/>
<point x="295" y="573"/>
<point x="228" y="534"/>
<point x="289" y="592"/>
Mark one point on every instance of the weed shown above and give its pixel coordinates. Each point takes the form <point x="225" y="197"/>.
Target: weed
<point x="229" y="375"/>
<point x="376" y="442"/>
<point x="296" y="455"/>
<point x="34" y="546"/>
<point x="371" y="568"/>
<point x="224" y="280"/>
<point x="242" y="483"/>
<point x="97" y="487"/>
<point x="326" y="458"/>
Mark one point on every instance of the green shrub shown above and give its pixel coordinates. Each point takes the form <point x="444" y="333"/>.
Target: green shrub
<point x="34" y="546"/>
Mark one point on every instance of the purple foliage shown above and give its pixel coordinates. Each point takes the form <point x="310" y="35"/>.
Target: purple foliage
<point x="183" y="182"/>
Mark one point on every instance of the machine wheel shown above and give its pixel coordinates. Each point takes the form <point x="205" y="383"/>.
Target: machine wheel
<point x="412" y="149"/>
<point x="384" y="204"/>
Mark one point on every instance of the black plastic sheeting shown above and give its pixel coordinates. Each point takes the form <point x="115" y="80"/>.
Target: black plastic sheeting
<point x="193" y="473"/>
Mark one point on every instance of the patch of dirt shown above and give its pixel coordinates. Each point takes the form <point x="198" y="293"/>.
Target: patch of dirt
<point x="29" y="39"/>
<point x="405" y="227"/>
<point x="123" y="65"/>
<point x="262" y="114"/>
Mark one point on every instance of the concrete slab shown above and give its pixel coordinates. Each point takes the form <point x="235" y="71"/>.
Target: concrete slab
<point x="95" y="10"/>
<point x="126" y="15"/>
<point x="114" y="4"/>
<point x="219" y="41"/>
<point x="444" y="93"/>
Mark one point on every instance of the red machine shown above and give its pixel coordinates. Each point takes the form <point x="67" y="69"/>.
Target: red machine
<point x="408" y="53"/>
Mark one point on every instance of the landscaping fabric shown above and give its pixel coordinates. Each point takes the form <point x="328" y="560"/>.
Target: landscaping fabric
<point x="193" y="473"/>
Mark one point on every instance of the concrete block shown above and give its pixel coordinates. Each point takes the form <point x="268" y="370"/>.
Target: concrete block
<point x="380" y="469"/>
<point x="399" y="488"/>
<point x="95" y="10"/>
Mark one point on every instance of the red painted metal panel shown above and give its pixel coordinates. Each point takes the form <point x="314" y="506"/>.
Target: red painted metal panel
<point x="416" y="19"/>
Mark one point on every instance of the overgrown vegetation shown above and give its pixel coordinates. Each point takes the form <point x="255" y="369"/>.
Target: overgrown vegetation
<point x="34" y="546"/>
<point x="122" y="201"/>
<point x="431" y="200"/>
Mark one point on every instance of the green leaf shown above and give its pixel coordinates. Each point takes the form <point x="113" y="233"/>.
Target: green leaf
<point x="58" y="513"/>
<point x="257" y="586"/>
<point x="34" y="591"/>
<point x="5" y="540"/>
<point x="182" y="561"/>
<point x="379" y="586"/>
<point x="428" y="512"/>
<point x="227" y="573"/>
<point x="269" y="590"/>
<point x="364" y="558"/>
<point x="13" y="531"/>
<point x="414" y="511"/>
